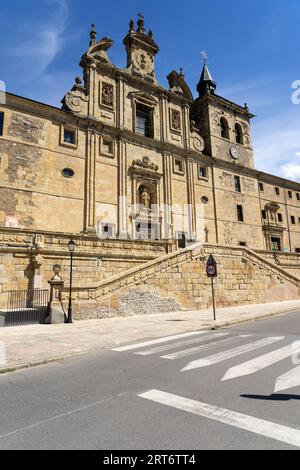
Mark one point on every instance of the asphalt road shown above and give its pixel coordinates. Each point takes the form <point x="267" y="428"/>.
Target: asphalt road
<point x="204" y="395"/>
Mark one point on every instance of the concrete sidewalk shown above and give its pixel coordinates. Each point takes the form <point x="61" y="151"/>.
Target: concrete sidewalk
<point x="28" y="346"/>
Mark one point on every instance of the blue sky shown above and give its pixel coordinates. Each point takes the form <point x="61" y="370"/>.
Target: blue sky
<point x="252" y="48"/>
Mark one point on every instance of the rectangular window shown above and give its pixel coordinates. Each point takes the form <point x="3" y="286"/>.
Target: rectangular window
<point x="202" y="172"/>
<point x="290" y="195"/>
<point x="106" y="231"/>
<point x="107" y="147"/>
<point x="276" y="244"/>
<point x="298" y="196"/>
<point x="237" y="184"/>
<point x="69" y="137"/>
<point x="144" y="120"/>
<point x="1" y="123"/>
<point x="178" y="166"/>
<point x="293" y="220"/>
<point x="264" y="214"/>
<point x="297" y="250"/>
<point x="243" y="244"/>
<point x="261" y="186"/>
<point x="240" y="214"/>
<point x="277" y="191"/>
<point x="280" y="219"/>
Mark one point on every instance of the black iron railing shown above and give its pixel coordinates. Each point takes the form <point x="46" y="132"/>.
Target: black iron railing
<point x="26" y="307"/>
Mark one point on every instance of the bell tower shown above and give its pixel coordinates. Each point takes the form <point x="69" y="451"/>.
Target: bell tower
<point x="224" y="125"/>
<point x="141" y="50"/>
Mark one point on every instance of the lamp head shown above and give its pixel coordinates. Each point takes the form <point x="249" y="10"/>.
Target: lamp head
<point x="71" y="246"/>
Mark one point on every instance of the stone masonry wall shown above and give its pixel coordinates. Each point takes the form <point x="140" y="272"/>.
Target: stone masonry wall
<point x="27" y="259"/>
<point x="243" y="278"/>
<point x="240" y="281"/>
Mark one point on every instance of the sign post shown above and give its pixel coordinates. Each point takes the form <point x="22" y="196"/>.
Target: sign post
<point x="211" y="271"/>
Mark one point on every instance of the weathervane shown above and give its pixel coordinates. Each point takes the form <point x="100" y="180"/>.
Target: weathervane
<point x="204" y="56"/>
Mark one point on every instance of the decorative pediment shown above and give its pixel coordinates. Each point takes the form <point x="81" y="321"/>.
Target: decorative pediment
<point x="145" y="168"/>
<point x="178" y="85"/>
<point x="143" y="98"/>
<point x="97" y="51"/>
<point x="76" y="100"/>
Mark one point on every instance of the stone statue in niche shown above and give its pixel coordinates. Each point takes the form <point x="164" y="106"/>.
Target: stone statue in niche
<point x="175" y="120"/>
<point x="107" y="97"/>
<point x="146" y="198"/>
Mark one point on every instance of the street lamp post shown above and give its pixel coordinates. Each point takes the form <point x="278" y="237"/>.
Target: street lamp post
<point x="71" y="246"/>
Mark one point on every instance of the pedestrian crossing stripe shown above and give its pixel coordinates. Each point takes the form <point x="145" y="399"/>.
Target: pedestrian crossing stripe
<point x="248" y="423"/>
<point x="166" y="347"/>
<point x="203" y="347"/>
<point x="131" y="347"/>
<point x="259" y="363"/>
<point x="224" y="355"/>
<point x="286" y="381"/>
<point x="289" y="380"/>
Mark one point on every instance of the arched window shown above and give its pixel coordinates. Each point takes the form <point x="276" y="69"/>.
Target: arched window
<point x="224" y="128"/>
<point x="239" y="134"/>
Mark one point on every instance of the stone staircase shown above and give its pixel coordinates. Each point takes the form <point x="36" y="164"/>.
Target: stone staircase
<point x="244" y="277"/>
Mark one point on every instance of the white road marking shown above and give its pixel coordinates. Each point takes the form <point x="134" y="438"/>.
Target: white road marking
<point x="248" y="423"/>
<point x="289" y="380"/>
<point x="224" y="355"/>
<point x="131" y="347"/>
<point x="204" y="347"/>
<point x="259" y="363"/>
<point x="166" y="347"/>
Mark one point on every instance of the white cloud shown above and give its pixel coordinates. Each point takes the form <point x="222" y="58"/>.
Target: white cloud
<point x="276" y="143"/>
<point x="258" y="94"/>
<point x="37" y="47"/>
<point x="291" y="171"/>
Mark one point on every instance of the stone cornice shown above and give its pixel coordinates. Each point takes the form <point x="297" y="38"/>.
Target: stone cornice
<point x="212" y="98"/>
<point x="95" y="125"/>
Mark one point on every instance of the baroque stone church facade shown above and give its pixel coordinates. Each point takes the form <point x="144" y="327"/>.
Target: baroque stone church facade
<point x="126" y="159"/>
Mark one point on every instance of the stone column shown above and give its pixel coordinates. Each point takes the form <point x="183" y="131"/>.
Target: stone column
<point x="123" y="203"/>
<point x="90" y="170"/>
<point x="93" y="91"/>
<point x="168" y="221"/>
<point x="120" y="108"/>
<point x="191" y="200"/>
<point x="186" y="127"/>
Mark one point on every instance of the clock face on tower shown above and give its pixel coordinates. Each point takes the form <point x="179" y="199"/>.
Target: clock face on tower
<point x="234" y="152"/>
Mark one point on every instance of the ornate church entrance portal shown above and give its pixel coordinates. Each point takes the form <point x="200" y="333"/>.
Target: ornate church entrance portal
<point x="145" y="199"/>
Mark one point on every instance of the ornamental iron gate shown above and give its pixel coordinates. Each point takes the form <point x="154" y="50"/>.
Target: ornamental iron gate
<point x="26" y="307"/>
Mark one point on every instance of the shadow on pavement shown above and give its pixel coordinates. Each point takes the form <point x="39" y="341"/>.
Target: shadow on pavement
<point x="273" y="397"/>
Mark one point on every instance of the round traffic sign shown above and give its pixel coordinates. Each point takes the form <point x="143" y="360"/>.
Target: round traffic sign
<point x="211" y="270"/>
